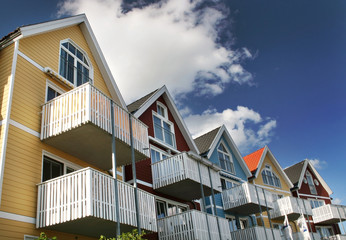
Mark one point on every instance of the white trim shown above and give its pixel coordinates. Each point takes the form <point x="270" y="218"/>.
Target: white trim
<point x="31" y="61"/>
<point x="165" y="112"/>
<point x="222" y="142"/>
<point x="212" y="207"/>
<point x="162" y="144"/>
<point x="2" y="121"/>
<point x="166" y="200"/>
<point x="8" y="112"/>
<point x="17" y="217"/>
<point x="141" y="182"/>
<point x="24" y="128"/>
<point x="166" y="120"/>
<point x="54" y="87"/>
<point x="159" y="150"/>
<point x="314" y="196"/>
<point x="272" y="188"/>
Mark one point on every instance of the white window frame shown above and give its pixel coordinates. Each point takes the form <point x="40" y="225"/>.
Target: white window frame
<point x="90" y="67"/>
<point x="162" y="152"/>
<point x="234" y="183"/>
<point x="165" y="112"/>
<point x="324" y="227"/>
<point x="54" y="87"/>
<point x="316" y="200"/>
<point x="311" y="185"/>
<point x="228" y="154"/>
<point x="168" y="201"/>
<point x="234" y="222"/>
<point x="269" y="168"/>
<point x="30" y="237"/>
<point x="66" y="163"/>
<point x="163" y="119"/>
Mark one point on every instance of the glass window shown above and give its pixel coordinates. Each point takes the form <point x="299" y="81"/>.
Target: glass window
<point x="316" y="203"/>
<point x="157" y="155"/>
<point x="226" y="161"/>
<point x="227" y="184"/>
<point x="163" y="130"/>
<point x="73" y="64"/>
<point x="311" y="183"/>
<point x="51" y="93"/>
<point x="161" y="209"/>
<point x="232" y="223"/>
<point x="53" y="169"/>
<point x="270" y="178"/>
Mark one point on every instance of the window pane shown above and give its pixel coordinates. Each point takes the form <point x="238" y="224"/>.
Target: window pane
<point x="80" y="55"/>
<point x="161" y="209"/>
<point x="264" y="177"/>
<point x="168" y="133"/>
<point x="51" y="93"/>
<point x="51" y="169"/>
<point x="72" y="49"/>
<point x="69" y="170"/>
<point x="158" y="128"/>
<point x="70" y="68"/>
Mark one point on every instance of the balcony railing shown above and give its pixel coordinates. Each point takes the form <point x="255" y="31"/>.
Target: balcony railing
<point x="256" y="233"/>
<point x="335" y="237"/>
<point x="290" y="206"/>
<point x="243" y="199"/>
<point x="83" y="202"/>
<point x="79" y="122"/>
<point x="300" y="236"/>
<point x="329" y="214"/>
<point x="192" y="225"/>
<point x="178" y="176"/>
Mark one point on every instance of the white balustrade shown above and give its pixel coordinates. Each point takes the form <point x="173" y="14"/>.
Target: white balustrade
<point x="290" y="205"/>
<point x="329" y="214"/>
<point x="192" y="225"/>
<point x="256" y="233"/>
<point x="300" y="236"/>
<point x="87" y="104"/>
<point x="90" y="193"/>
<point x="246" y="194"/>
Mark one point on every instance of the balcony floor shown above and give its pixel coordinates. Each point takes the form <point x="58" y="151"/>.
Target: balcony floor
<point x="93" y="145"/>
<point x="290" y="216"/>
<point x="247" y="209"/>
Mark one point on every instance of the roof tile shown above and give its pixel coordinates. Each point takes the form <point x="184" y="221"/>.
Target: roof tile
<point x="252" y="160"/>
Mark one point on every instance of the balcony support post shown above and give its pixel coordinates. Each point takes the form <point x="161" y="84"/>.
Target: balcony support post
<point x="203" y="200"/>
<point x="114" y="168"/>
<point x="214" y="203"/>
<point x="134" y="176"/>
<point x="307" y="217"/>
<point x="270" y="221"/>
<point x="260" y="210"/>
<point x="340" y="219"/>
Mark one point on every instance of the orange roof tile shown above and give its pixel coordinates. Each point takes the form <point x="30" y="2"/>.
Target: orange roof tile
<point x="253" y="159"/>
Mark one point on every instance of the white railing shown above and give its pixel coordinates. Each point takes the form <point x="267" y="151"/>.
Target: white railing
<point x="90" y="193"/>
<point x="288" y="205"/>
<point x="87" y="104"/>
<point x="256" y="233"/>
<point x="192" y="225"/>
<point x="180" y="167"/>
<point x="329" y="212"/>
<point x="245" y="194"/>
<point x="335" y="237"/>
<point x="300" y="236"/>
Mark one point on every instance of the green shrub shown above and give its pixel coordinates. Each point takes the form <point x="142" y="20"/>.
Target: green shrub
<point x="43" y="236"/>
<point x="127" y="236"/>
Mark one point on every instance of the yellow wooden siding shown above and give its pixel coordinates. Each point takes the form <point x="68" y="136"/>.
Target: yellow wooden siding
<point x="267" y="224"/>
<point x="23" y="171"/>
<point x="44" y="49"/>
<point x="14" y="230"/>
<point x="6" y="56"/>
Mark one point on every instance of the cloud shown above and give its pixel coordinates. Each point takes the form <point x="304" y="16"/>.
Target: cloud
<point x="237" y="122"/>
<point x="337" y="201"/>
<point x="318" y="164"/>
<point x="172" y="42"/>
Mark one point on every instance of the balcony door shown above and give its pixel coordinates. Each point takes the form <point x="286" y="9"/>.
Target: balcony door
<point x="53" y="168"/>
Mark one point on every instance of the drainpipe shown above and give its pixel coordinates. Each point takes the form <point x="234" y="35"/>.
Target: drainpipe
<point x="114" y="167"/>
<point x="260" y="209"/>
<point x="270" y="221"/>
<point x="203" y="200"/>
<point x="134" y="177"/>
<point x="307" y="217"/>
<point x="214" y="203"/>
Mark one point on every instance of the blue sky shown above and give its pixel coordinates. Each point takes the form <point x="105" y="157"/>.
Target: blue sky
<point x="280" y="80"/>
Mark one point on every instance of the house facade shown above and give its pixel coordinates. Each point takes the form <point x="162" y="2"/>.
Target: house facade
<point x="62" y="118"/>
<point x="309" y="185"/>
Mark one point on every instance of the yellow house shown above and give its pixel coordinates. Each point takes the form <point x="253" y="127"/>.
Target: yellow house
<point x="59" y="107"/>
<point x="268" y="174"/>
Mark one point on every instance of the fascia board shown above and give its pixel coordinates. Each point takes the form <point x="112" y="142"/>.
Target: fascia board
<point x="324" y="184"/>
<point x="149" y="101"/>
<point x="301" y="177"/>
<point x="259" y="165"/>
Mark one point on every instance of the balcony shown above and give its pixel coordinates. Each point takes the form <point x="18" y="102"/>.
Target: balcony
<point x="256" y="233"/>
<point x="192" y="225"/>
<point x="79" y="122"/>
<point x="335" y="237"/>
<point x="243" y="199"/>
<point x="178" y="176"/>
<point x="83" y="202"/>
<point x="329" y="214"/>
<point x="290" y="206"/>
<point x="300" y="236"/>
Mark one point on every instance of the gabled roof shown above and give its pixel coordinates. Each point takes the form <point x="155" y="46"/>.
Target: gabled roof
<point x="207" y="143"/>
<point x="255" y="160"/>
<point x="82" y="21"/>
<point x="141" y="105"/>
<point x="297" y="171"/>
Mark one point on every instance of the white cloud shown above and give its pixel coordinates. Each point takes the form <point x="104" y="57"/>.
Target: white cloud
<point x="337" y="201"/>
<point x="236" y="122"/>
<point x="318" y="164"/>
<point x="169" y="43"/>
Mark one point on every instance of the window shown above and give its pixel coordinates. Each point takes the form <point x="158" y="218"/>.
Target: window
<point x="161" y="209"/>
<point x="226" y="160"/>
<point x="53" y="168"/>
<point x="232" y="223"/>
<point x="168" y="208"/>
<point x="280" y="227"/>
<point x="226" y="184"/>
<point x="74" y="64"/>
<point x="316" y="203"/>
<point x="163" y="128"/>
<point x="52" y="91"/>
<point x="325" y="232"/>
<point x="157" y="154"/>
<point x="311" y="183"/>
<point x="269" y="177"/>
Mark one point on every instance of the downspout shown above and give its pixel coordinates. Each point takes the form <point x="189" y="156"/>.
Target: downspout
<point x="8" y="112"/>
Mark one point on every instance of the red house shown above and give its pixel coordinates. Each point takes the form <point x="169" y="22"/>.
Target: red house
<point x="308" y="184"/>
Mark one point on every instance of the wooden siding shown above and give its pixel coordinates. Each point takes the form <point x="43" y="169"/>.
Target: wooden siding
<point x="49" y="44"/>
<point x="14" y="230"/>
<point x="6" y="56"/>
<point x="23" y="171"/>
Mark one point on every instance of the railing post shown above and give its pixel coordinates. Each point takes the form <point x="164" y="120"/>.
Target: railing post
<point x="134" y="177"/>
<point x="114" y="168"/>
<point x="214" y="203"/>
<point x="260" y="208"/>
<point x="270" y="222"/>
<point x="307" y="217"/>
<point x="203" y="200"/>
